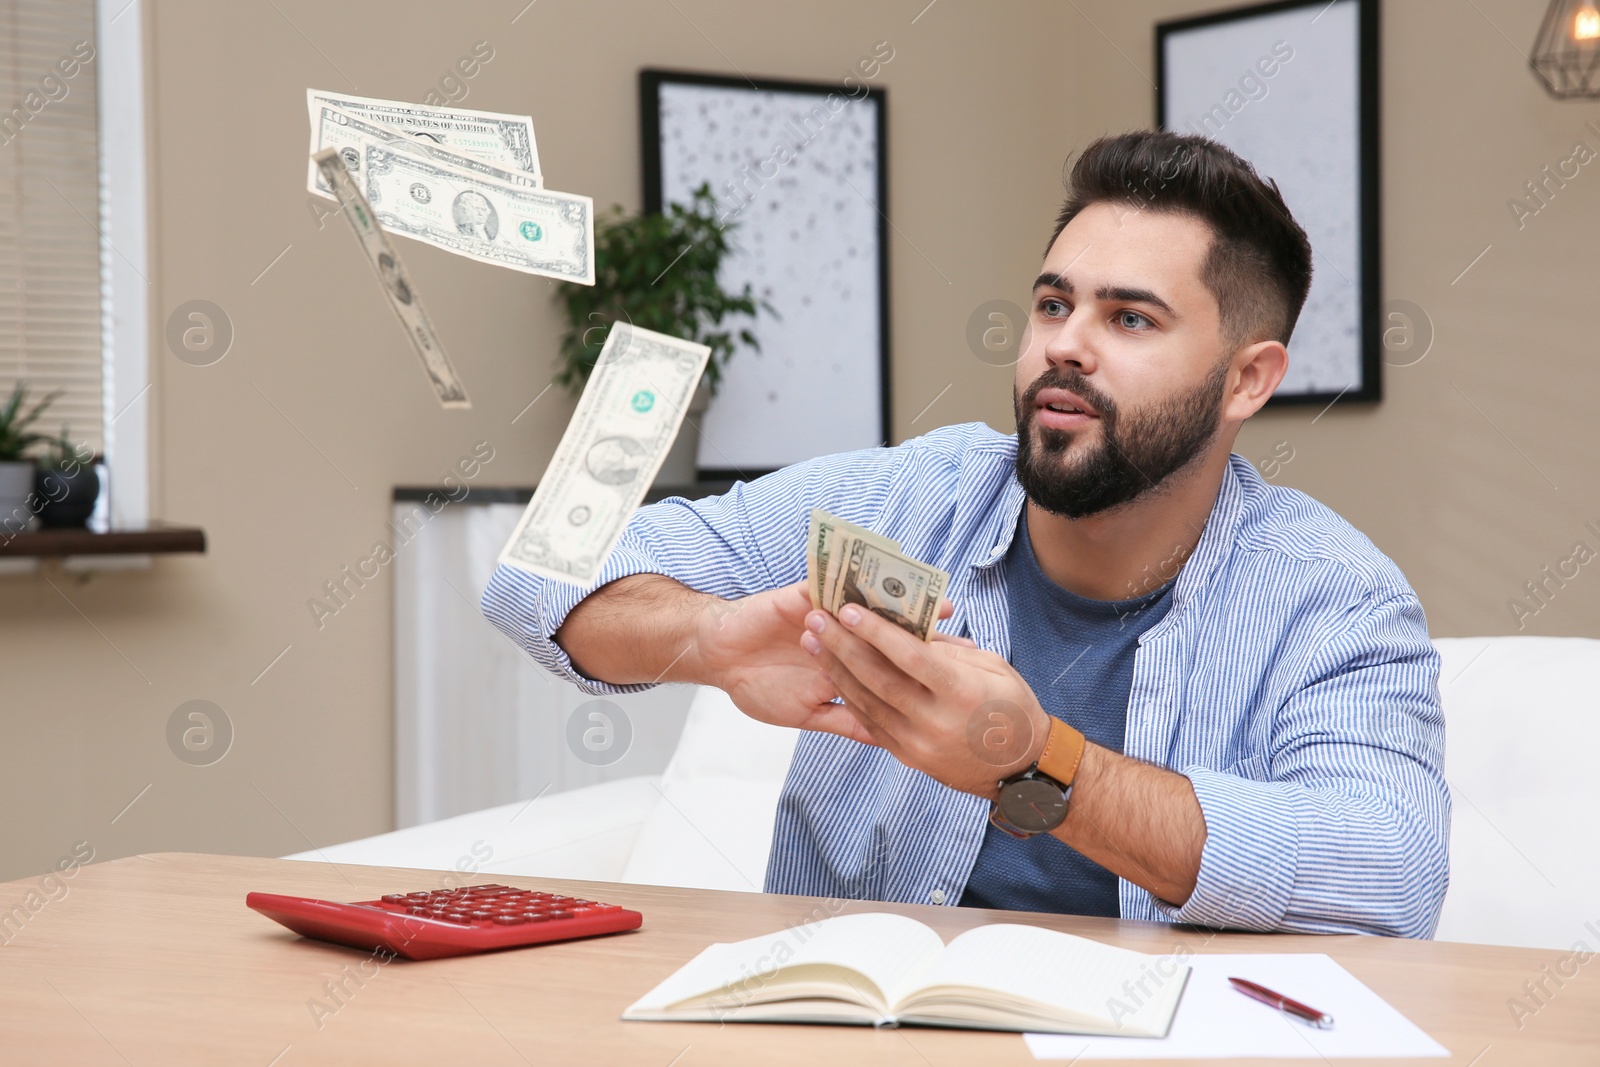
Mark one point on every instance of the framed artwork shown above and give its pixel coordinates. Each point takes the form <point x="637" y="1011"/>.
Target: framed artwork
<point x="1293" y="87"/>
<point x="798" y="169"/>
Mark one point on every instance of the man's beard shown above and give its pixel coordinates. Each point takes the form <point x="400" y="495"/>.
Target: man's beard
<point x="1136" y="453"/>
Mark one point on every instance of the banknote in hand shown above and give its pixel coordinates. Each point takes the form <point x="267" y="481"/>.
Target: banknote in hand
<point x="848" y="564"/>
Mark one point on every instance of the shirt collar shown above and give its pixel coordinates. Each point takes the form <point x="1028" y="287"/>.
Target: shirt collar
<point x="1216" y="540"/>
<point x="1001" y="529"/>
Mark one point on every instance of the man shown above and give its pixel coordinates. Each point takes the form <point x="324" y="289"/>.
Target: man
<point x="1164" y="688"/>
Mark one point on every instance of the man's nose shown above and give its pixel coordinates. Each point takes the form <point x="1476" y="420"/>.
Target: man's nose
<point x="1069" y="346"/>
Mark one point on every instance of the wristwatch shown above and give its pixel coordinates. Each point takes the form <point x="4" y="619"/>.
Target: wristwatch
<point x="1035" y="801"/>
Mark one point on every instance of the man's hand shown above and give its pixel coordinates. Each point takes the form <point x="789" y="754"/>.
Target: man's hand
<point x="958" y="713"/>
<point x="749" y="649"/>
<point x="648" y="628"/>
<point x="965" y="717"/>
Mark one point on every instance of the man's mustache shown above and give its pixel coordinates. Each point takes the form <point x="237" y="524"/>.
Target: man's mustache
<point x="1072" y="381"/>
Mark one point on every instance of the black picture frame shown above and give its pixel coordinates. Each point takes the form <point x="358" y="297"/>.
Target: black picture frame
<point x="1369" y="225"/>
<point x="651" y="83"/>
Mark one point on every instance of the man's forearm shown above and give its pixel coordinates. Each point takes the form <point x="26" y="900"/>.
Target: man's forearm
<point x="641" y="628"/>
<point x="1137" y="821"/>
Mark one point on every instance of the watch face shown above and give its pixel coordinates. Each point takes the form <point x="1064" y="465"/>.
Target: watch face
<point x="1033" y="805"/>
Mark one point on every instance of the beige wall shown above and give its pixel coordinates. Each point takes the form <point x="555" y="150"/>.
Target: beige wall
<point x="287" y="499"/>
<point x="985" y="100"/>
<point x="1471" y="501"/>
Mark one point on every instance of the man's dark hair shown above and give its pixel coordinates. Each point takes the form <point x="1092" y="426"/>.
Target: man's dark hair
<point x="1259" y="265"/>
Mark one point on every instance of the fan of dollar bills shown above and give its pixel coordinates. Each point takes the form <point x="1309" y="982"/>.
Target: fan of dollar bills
<point x="464" y="181"/>
<point x="848" y="564"/>
<point x="469" y="182"/>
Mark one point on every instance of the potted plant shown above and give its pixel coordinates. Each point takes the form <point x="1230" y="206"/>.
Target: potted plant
<point x="659" y="272"/>
<point x="66" y="483"/>
<point x="16" y="469"/>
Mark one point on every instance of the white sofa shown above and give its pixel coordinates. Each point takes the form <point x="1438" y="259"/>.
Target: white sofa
<point x="1523" y="722"/>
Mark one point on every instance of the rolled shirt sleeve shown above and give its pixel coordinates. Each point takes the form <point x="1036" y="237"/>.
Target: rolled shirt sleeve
<point x="1349" y="833"/>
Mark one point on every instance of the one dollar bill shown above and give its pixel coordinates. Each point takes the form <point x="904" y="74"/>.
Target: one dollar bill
<point x="347" y="132"/>
<point x="397" y="285"/>
<point x="848" y="564"/>
<point x="500" y="140"/>
<point x="613" y="446"/>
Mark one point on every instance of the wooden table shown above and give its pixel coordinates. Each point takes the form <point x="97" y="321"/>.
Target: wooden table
<point x="156" y="960"/>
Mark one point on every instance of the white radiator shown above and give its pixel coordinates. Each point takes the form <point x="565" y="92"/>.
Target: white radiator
<point x="477" y="722"/>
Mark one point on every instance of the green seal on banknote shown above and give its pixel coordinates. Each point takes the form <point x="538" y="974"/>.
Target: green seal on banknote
<point x="643" y="400"/>
<point x="532" y="231"/>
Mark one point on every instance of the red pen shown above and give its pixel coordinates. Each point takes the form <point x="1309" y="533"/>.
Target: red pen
<point x="1304" y="1012"/>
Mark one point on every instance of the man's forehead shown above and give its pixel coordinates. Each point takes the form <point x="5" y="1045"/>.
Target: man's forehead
<point x="1124" y="244"/>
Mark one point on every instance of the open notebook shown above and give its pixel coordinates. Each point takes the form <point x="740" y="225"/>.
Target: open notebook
<point x="881" y="969"/>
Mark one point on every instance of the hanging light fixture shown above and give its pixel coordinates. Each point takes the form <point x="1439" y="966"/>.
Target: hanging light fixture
<point x="1567" y="53"/>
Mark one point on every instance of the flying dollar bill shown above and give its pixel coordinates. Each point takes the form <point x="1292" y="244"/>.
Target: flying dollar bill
<point x="502" y="140"/>
<point x="625" y="422"/>
<point x="849" y="564"/>
<point x="346" y="132"/>
<point x="396" y="284"/>
<point x="538" y="231"/>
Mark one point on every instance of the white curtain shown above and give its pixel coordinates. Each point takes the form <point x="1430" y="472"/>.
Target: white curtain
<point x="477" y="722"/>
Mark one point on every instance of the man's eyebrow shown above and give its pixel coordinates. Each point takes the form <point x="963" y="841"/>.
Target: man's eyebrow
<point x="1119" y="293"/>
<point x="1124" y="294"/>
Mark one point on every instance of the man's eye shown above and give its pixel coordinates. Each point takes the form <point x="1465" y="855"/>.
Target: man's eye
<point x="1132" y="320"/>
<point x="1052" y="307"/>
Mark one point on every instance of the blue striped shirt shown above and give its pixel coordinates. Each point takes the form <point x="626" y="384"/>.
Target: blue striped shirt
<point x="1292" y="681"/>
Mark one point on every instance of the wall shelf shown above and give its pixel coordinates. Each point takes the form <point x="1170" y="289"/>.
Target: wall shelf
<point x="505" y="494"/>
<point x="149" y="540"/>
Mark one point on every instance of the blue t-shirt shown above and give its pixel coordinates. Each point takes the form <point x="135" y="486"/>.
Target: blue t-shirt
<point x="1076" y="655"/>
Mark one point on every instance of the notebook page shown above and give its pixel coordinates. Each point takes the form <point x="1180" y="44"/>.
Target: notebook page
<point x="885" y="947"/>
<point x="889" y="949"/>
<point x="1120" y="988"/>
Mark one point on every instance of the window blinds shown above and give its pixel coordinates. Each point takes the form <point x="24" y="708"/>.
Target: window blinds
<point x="50" y="219"/>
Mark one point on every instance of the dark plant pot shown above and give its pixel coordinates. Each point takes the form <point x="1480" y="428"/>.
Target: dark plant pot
<point x="68" y="499"/>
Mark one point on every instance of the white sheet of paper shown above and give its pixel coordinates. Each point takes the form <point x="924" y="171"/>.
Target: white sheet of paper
<point x="1215" y="1021"/>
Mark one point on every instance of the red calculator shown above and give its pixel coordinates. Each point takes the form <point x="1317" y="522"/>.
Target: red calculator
<point x="447" y="922"/>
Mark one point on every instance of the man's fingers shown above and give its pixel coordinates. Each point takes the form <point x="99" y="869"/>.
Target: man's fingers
<point x="904" y="652"/>
<point x="841" y="719"/>
<point x="883" y="713"/>
<point x="964" y="642"/>
<point x="793" y="601"/>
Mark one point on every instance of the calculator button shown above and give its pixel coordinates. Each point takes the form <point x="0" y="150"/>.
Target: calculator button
<point x="481" y="914"/>
<point x="509" y="920"/>
<point x="561" y="914"/>
<point x="392" y="898"/>
<point x="535" y="917"/>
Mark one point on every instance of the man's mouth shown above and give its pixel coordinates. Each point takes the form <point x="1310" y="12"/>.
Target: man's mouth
<point x="1063" y="410"/>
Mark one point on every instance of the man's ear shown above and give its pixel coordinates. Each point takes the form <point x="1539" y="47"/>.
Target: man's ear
<point x="1259" y="368"/>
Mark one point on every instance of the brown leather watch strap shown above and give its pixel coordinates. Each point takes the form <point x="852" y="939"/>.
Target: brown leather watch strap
<point x="1063" y="751"/>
